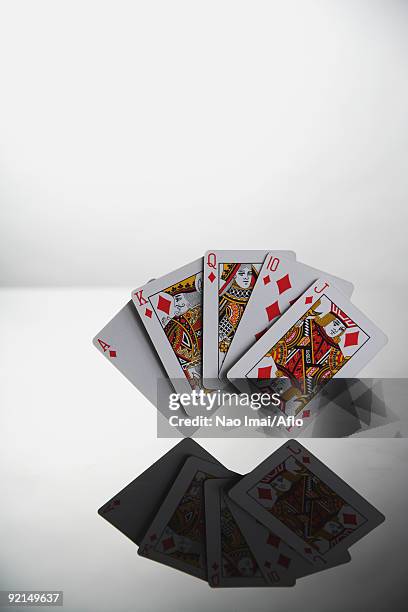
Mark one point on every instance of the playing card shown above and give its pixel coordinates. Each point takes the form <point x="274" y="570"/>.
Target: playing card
<point x="281" y="282"/>
<point x="276" y="559"/>
<point x="322" y="336"/>
<point x="176" y="536"/>
<point x="122" y="341"/>
<point x="171" y="310"/>
<point x="229" y="280"/>
<point x="125" y="344"/>
<point x="230" y="561"/>
<point x="282" y="564"/>
<point x="133" y="509"/>
<point x="306" y="504"/>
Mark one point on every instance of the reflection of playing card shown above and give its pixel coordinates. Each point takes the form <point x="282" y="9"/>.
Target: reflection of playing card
<point x="230" y="561"/>
<point x="229" y="279"/>
<point x="176" y="536"/>
<point x="306" y="504"/>
<point x="170" y="308"/>
<point x="133" y="509"/>
<point x="125" y="343"/>
<point x="281" y="562"/>
<point x="273" y="555"/>
<point x="281" y="282"/>
<point x="323" y="335"/>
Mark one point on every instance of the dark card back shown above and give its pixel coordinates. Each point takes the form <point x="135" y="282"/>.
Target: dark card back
<point x="133" y="509"/>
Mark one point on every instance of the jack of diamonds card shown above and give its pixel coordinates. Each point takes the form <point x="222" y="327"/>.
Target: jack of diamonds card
<point x="301" y="500"/>
<point x="171" y="310"/>
<point x="323" y="335"/>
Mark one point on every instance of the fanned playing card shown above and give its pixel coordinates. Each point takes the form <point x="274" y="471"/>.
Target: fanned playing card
<point x="282" y="564"/>
<point x="229" y="280"/>
<point x="322" y="336"/>
<point x="306" y="504"/>
<point x="125" y="343"/>
<point x="123" y="338"/>
<point x="133" y="509"/>
<point x="176" y="536"/>
<point x="230" y="561"/>
<point x="171" y="310"/>
<point x="281" y="282"/>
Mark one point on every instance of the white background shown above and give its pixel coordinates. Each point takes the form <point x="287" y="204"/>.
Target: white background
<point x="133" y="137"/>
<point x="136" y="135"/>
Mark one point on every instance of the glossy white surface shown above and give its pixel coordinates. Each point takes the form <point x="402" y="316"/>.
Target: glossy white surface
<point x="74" y="432"/>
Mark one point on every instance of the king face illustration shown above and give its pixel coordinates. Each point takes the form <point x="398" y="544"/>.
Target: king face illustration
<point x="183" y="325"/>
<point x="184" y="535"/>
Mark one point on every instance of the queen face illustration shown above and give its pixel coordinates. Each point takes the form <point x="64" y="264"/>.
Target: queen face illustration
<point x="335" y="328"/>
<point x="244" y="276"/>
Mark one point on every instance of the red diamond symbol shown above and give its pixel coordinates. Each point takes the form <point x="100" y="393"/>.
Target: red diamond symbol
<point x="168" y="543"/>
<point x="273" y="540"/>
<point x="260" y="334"/>
<point x="164" y="304"/>
<point x="211" y="276"/>
<point x="265" y="372"/>
<point x="284" y="561"/>
<point x="306" y="414"/>
<point x="272" y="311"/>
<point x="148" y="313"/>
<point x="351" y="339"/>
<point x="266" y="279"/>
<point x="306" y="459"/>
<point x="284" y="283"/>
<point x="112" y="353"/>
<point x="264" y="493"/>
<point x="308" y="300"/>
<point x="350" y="519"/>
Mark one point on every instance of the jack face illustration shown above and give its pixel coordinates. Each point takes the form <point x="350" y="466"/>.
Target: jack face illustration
<point x="311" y="352"/>
<point x="307" y="505"/>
